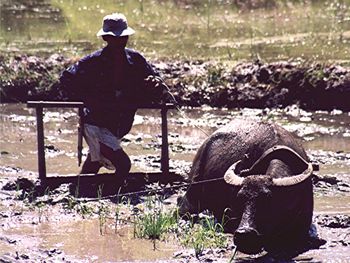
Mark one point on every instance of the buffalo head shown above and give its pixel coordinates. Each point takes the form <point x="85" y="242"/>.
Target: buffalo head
<point x="271" y="205"/>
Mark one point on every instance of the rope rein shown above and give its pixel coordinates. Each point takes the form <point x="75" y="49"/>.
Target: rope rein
<point x="155" y="191"/>
<point x="152" y="191"/>
<point x="182" y="113"/>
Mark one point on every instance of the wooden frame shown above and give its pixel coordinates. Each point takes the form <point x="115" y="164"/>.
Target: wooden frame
<point x="40" y="105"/>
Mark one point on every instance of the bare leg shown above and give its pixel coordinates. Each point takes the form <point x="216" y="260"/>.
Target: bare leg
<point x="90" y="167"/>
<point x="119" y="159"/>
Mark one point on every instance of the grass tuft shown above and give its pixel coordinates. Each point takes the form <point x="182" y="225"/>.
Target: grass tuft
<point x="207" y="233"/>
<point x="154" y="222"/>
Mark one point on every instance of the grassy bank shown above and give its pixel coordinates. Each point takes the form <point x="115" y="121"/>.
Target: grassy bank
<point x="180" y="29"/>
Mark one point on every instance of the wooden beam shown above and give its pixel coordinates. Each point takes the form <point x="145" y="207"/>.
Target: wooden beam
<point x="79" y="104"/>
<point x="40" y="105"/>
<point x="55" y="104"/>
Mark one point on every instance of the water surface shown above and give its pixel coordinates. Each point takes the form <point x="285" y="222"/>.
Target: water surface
<point x="325" y="136"/>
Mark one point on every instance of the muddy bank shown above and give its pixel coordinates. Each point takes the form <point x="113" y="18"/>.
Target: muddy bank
<point x="261" y="85"/>
<point x="197" y="83"/>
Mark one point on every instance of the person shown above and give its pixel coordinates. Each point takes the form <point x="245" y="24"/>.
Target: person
<point x="111" y="82"/>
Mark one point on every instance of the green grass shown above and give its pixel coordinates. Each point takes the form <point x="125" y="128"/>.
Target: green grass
<point x="150" y="219"/>
<point x="154" y="222"/>
<point x="102" y="210"/>
<point x="210" y="30"/>
<point x="157" y="223"/>
<point x="207" y="233"/>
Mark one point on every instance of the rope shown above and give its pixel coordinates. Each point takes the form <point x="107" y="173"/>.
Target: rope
<point x="182" y="113"/>
<point x="153" y="191"/>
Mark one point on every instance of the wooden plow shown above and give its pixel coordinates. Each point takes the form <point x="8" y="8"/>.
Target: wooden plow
<point x="105" y="178"/>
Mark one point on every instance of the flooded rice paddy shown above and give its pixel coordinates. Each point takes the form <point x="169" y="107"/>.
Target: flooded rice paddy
<point x="317" y="31"/>
<point x="54" y="233"/>
<point x="214" y="30"/>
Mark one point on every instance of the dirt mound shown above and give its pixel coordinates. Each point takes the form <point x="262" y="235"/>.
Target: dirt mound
<point x="197" y="83"/>
<point x="259" y="85"/>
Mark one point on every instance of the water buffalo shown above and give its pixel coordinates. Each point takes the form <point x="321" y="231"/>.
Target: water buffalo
<point x="266" y="191"/>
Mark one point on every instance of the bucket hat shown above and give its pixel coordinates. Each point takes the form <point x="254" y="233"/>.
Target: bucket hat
<point x="115" y="25"/>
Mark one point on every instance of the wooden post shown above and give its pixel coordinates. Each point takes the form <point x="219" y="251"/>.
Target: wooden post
<point x="39" y="105"/>
<point x="165" y="147"/>
<point x="41" y="143"/>
<point x="80" y="135"/>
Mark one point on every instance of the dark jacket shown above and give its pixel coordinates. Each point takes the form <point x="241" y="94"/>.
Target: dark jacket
<point x="105" y="89"/>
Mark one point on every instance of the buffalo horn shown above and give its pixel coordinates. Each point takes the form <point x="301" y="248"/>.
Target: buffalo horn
<point x="281" y="152"/>
<point x="293" y="180"/>
<point x="231" y="177"/>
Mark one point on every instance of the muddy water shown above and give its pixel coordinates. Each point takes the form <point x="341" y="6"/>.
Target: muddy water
<point x="19" y="149"/>
<point x="83" y="239"/>
<point x="325" y="135"/>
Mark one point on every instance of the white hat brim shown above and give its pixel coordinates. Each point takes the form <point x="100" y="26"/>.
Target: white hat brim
<point x="126" y="32"/>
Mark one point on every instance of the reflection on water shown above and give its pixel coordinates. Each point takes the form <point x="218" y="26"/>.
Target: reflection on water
<point x="335" y="143"/>
<point x="90" y="246"/>
<point x="19" y="149"/>
<point x="18" y="135"/>
<point x="332" y="205"/>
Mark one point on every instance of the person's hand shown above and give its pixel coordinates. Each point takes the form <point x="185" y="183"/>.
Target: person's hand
<point x="156" y="88"/>
<point x="155" y="82"/>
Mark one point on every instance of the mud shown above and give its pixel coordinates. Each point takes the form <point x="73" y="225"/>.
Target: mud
<point x="42" y="225"/>
<point x="198" y="83"/>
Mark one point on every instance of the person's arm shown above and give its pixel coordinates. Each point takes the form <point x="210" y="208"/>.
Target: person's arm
<point x="156" y="91"/>
<point x="73" y="81"/>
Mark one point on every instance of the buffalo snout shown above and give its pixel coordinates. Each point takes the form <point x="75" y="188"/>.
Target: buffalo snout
<point x="248" y="240"/>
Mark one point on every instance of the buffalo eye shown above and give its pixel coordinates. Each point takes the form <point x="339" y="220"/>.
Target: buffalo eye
<point x="266" y="191"/>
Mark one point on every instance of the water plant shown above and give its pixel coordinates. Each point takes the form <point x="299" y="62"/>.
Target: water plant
<point x="40" y="205"/>
<point x="116" y="216"/>
<point x="154" y="222"/>
<point x="103" y="210"/>
<point x="42" y="201"/>
<point x="84" y="210"/>
<point x="70" y="203"/>
<point x="207" y="233"/>
<point x="215" y="75"/>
